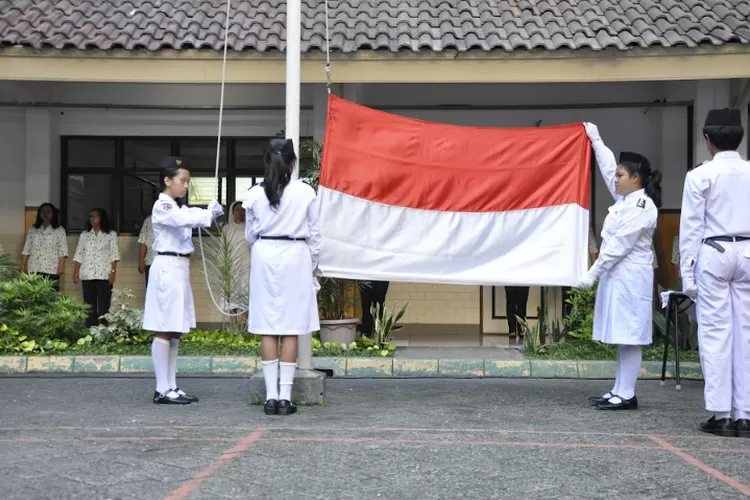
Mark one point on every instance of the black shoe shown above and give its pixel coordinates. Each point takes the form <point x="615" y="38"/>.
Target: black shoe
<point x="192" y="399"/>
<point x="743" y="427"/>
<point x="271" y="407"/>
<point x="723" y="427"/>
<point x="163" y="399"/>
<point x="624" y="404"/>
<point x="595" y="400"/>
<point x="286" y="408"/>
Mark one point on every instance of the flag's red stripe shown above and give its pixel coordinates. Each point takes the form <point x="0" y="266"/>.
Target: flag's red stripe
<point x="411" y="163"/>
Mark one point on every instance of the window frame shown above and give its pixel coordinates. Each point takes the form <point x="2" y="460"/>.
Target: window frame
<point x="118" y="173"/>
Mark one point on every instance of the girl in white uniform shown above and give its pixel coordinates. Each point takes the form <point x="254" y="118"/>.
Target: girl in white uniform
<point x="240" y="256"/>
<point x="46" y="245"/>
<point x="170" y="311"/>
<point x="96" y="261"/>
<point x="623" y="309"/>
<point x="283" y="228"/>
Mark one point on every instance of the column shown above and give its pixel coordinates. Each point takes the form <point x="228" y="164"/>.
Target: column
<point x="42" y="158"/>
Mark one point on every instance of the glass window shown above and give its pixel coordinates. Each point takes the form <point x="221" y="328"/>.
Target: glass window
<point x="203" y="189"/>
<point x="242" y="184"/>
<point x="91" y="153"/>
<point x="138" y="200"/>
<point x="201" y="154"/>
<point x="87" y="191"/>
<point x="146" y="154"/>
<point x="249" y="155"/>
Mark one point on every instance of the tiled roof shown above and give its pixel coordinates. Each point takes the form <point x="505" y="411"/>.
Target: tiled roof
<point x="392" y="25"/>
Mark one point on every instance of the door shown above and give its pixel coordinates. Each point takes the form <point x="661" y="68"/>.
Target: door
<point x="494" y="315"/>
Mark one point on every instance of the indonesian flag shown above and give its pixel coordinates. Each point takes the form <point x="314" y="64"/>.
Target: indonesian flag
<point x="408" y="200"/>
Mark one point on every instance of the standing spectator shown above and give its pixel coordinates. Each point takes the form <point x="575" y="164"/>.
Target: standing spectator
<point x="46" y="245"/>
<point x="146" y="248"/>
<point x="96" y="260"/>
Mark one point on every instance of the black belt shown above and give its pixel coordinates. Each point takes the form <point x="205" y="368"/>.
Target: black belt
<point x="284" y="238"/>
<point x="712" y="241"/>
<point x="174" y="254"/>
<point x="727" y="238"/>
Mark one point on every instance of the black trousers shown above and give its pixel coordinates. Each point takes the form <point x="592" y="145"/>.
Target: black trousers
<point x="98" y="295"/>
<point x="55" y="280"/>
<point x="372" y="295"/>
<point x="516" y="299"/>
<point x="567" y="308"/>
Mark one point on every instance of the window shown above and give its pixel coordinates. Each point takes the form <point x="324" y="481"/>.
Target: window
<point x="121" y="175"/>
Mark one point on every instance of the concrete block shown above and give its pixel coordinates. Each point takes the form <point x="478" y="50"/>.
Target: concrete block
<point x="12" y="364"/>
<point x="369" y="367"/>
<point x="97" y="364"/>
<point x="193" y="364"/>
<point x="597" y="369"/>
<point x="691" y="371"/>
<point x="230" y="365"/>
<point x="506" y="368"/>
<point x="652" y="370"/>
<point x="49" y="364"/>
<point x="136" y="364"/>
<point x="415" y="367"/>
<point x="309" y="388"/>
<point x="547" y="368"/>
<point x="338" y="365"/>
<point x="461" y="367"/>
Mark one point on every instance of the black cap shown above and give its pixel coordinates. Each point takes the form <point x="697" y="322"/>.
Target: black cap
<point x="723" y="118"/>
<point x="173" y="162"/>
<point x="638" y="159"/>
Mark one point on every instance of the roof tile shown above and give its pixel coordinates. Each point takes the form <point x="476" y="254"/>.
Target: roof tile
<point x="386" y="25"/>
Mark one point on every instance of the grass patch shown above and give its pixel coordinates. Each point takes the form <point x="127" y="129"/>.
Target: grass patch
<point x="594" y="351"/>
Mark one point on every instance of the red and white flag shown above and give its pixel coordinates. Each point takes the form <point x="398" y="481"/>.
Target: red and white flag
<point x="408" y="200"/>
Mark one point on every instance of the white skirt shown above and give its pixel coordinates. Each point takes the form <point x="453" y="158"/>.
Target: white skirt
<point x="169" y="296"/>
<point x="623" y="311"/>
<point x="283" y="300"/>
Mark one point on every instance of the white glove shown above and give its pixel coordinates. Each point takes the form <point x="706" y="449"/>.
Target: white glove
<point x="215" y="208"/>
<point x="689" y="287"/>
<point x="592" y="131"/>
<point x="585" y="282"/>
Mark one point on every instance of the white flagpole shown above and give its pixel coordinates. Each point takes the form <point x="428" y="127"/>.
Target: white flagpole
<point x="293" y="84"/>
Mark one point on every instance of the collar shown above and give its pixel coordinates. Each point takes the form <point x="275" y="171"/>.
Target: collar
<point x="726" y="155"/>
<point x="640" y="193"/>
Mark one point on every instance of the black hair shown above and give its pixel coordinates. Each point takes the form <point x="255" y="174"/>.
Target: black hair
<point x="725" y="138"/>
<point x="55" y="223"/>
<point x="169" y="171"/>
<point x="105" y="224"/>
<point x="650" y="179"/>
<point x="278" y="158"/>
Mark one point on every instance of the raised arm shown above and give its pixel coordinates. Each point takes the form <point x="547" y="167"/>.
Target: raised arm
<point x="168" y="214"/>
<point x="313" y="224"/>
<point x="605" y="158"/>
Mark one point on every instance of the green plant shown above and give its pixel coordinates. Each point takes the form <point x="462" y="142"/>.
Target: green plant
<point x="30" y="305"/>
<point x="384" y="324"/>
<point x="122" y="324"/>
<point x="8" y="269"/>
<point x="579" y="323"/>
<point x="535" y="338"/>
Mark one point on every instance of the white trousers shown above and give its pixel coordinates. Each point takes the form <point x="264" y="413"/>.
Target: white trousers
<point x="723" y="306"/>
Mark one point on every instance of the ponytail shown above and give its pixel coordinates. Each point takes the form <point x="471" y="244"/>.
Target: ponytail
<point x="652" y="187"/>
<point x="279" y="159"/>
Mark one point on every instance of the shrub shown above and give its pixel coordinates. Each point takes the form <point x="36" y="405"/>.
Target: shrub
<point x="122" y="324"/>
<point x="30" y="306"/>
<point x="579" y="323"/>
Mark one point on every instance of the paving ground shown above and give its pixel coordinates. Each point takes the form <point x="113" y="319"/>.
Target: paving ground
<point x="101" y="438"/>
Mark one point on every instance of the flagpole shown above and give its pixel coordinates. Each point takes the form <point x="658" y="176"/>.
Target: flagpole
<point x="293" y="84"/>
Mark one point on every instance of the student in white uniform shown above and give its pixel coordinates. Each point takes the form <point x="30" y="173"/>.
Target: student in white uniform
<point x="623" y="310"/>
<point x="46" y="245"/>
<point x="96" y="260"/>
<point x="170" y="311"/>
<point x="715" y="266"/>
<point x="282" y="226"/>
<point x="146" y="248"/>
<point x="240" y="255"/>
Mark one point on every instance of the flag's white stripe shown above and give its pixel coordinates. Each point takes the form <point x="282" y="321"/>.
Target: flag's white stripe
<point x="366" y="240"/>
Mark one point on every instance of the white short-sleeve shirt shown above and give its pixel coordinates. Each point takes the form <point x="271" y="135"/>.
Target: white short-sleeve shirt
<point x="44" y="248"/>
<point x="146" y="237"/>
<point x="96" y="253"/>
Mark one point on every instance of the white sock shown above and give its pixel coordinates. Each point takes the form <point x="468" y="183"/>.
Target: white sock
<point x="271" y="373"/>
<point x="630" y="356"/>
<point x="741" y="415"/>
<point x="723" y="414"/>
<point x="160" y="356"/>
<point x="286" y="379"/>
<point x="618" y="377"/>
<point x="174" y="347"/>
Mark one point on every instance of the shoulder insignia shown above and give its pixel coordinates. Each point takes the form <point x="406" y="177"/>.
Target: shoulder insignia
<point x="641" y="203"/>
<point x="166" y="206"/>
<point x="698" y="165"/>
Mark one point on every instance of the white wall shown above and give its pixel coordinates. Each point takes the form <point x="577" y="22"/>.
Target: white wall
<point x="13" y="178"/>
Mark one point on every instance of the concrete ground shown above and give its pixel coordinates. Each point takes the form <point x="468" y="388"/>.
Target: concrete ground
<point x="101" y="438"/>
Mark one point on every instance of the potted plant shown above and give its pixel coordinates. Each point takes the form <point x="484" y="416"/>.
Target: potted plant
<point x="336" y="297"/>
